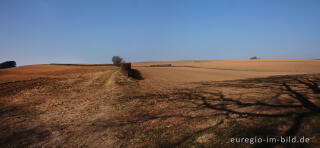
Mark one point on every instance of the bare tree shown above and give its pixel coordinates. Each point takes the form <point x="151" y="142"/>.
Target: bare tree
<point x="253" y="58"/>
<point x="117" y="60"/>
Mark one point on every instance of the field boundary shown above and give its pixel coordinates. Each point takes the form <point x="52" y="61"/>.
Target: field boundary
<point x="81" y="64"/>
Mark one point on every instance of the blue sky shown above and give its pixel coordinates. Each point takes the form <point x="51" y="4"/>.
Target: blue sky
<point x="92" y="31"/>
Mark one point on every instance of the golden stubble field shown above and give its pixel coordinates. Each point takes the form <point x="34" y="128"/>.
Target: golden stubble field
<point x="219" y="70"/>
<point x="189" y="104"/>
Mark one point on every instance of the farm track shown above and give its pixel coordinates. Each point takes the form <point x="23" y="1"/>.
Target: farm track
<point x="58" y="111"/>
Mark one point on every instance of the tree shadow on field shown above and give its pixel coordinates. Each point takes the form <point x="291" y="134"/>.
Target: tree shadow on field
<point x="263" y="107"/>
<point x="302" y="90"/>
<point x="23" y="137"/>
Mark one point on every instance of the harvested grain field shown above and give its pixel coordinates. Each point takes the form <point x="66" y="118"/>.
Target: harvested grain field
<point x="218" y="70"/>
<point x="186" y="104"/>
<point x="49" y="105"/>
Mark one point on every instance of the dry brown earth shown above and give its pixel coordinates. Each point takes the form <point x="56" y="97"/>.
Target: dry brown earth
<point x="190" y="104"/>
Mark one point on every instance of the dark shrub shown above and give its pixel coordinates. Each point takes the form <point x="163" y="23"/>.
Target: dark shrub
<point x="161" y="65"/>
<point x="125" y="68"/>
<point x="253" y="58"/>
<point x="133" y="73"/>
<point x="116" y="60"/>
<point x="7" y="64"/>
<point x="128" y="71"/>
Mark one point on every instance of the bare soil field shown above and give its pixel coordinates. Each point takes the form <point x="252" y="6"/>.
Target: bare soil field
<point x="49" y="105"/>
<point x="218" y="70"/>
<point x="189" y="104"/>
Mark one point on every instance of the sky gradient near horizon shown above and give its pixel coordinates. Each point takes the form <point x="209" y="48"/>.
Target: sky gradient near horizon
<point x="92" y="31"/>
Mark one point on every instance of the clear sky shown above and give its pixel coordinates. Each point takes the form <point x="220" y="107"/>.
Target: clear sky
<point x="91" y="31"/>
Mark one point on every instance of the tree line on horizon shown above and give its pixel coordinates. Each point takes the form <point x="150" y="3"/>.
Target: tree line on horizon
<point x="8" y="64"/>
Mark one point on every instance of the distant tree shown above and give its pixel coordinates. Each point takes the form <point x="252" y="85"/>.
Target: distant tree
<point x="116" y="60"/>
<point x="8" y="64"/>
<point x="253" y="58"/>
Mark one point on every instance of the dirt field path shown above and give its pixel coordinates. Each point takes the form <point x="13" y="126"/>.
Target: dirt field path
<point x="111" y="80"/>
<point x="97" y="107"/>
<point x="63" y="113"/>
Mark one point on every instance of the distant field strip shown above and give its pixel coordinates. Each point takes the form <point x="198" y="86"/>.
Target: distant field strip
<point x="215" y="68"/>
<point x="82" y="64"/>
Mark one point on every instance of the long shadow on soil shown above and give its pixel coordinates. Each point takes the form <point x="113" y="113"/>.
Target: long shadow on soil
<point x="281" y="99"/>
<point x="267" y="103"/>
